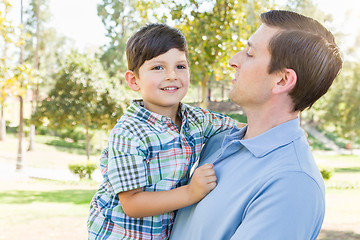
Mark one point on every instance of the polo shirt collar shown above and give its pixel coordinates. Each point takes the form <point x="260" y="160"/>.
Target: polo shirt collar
<point x="268" y="141"/>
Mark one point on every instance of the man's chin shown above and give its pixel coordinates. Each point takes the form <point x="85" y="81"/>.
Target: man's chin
<point x="232" y="96"/>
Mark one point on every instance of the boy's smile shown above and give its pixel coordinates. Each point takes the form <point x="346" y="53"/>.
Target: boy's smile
<point x="163" y="82"/>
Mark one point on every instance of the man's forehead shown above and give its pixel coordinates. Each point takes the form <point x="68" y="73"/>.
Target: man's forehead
<point x="262" y="36"/>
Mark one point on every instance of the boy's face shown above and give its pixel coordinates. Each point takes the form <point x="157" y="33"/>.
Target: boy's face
<point x="252" y="83"/>
<point x="163" y="81"/>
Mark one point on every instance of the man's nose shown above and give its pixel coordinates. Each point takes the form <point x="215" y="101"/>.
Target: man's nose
<point x="235" y="61"/>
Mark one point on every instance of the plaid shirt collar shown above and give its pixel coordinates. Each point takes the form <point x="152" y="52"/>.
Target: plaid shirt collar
<point x="137" y="110"/>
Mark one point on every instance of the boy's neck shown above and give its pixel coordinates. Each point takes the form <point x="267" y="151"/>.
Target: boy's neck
<point x="170" y="112"/>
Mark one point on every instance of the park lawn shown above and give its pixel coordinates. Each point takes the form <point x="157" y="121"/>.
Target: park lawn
<point x="44" y="156"/>
<point x="342" y="217"/>
<point x="43" y="209"/>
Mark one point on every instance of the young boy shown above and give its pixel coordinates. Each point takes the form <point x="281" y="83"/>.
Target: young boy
<point x="152" y="148"/>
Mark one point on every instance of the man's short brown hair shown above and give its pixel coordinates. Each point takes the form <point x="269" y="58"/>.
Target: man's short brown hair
<point x="308" y="48"/>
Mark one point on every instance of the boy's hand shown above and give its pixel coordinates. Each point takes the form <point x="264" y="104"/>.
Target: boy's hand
<point x="202" y="182"/>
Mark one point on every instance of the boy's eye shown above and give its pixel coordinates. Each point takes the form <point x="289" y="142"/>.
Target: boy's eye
<point x="157" y="68"/>
<point x="181" y="67"/>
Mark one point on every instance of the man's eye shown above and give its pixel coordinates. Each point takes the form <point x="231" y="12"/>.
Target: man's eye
<point x="157" y="68"/>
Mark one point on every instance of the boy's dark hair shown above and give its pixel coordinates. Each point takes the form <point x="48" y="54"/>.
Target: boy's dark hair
<point x="151" y="41"/>
<point x="308" y="48"/>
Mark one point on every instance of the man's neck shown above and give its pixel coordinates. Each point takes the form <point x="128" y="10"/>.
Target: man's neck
<point x="261" y="121"/>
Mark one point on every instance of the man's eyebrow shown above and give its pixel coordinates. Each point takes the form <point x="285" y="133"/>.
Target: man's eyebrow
<point x="250" y="44"/>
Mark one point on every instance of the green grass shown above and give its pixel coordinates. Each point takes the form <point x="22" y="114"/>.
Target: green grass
<point x="45" y="209"/>
<point x="62" y="196"/>
<point x="238" y="117"/>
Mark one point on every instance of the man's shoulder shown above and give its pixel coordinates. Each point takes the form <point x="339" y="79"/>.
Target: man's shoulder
<point x="213" y="144"/>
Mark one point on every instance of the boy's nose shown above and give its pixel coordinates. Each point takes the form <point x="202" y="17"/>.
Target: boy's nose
<point x="171" y="74"/>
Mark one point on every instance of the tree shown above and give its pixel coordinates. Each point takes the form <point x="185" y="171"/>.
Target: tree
<point x="82" y="96"/>
<point x="6" y="84"/>
<point x="119" y="19"/>
<point x="23" y="76"/>
<point x="214" y="33"/>
<point x="37" y="15"/>
<point x="340" y="108"/>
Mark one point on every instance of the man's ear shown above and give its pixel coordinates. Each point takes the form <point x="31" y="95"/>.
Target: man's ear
<point x="286" y="81"/>
<point x="131" y="80"/>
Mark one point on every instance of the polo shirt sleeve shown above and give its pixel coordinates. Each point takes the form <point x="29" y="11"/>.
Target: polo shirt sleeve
<point x="126" y="167"/>
<point x="216" y="122"/>
<point x="289" y="207"/>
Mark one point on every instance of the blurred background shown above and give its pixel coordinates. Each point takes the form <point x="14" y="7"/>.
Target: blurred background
<point x="62" y="66"/>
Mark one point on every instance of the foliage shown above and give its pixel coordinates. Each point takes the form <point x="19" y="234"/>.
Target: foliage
<point x="81" y="96"/>
<point x="7" y="83"/>
<point x="238" y="117"/>
<point x="45" y="48"/>
<point x="119" y="19"/>
<point x="339" y="112"/>
<point x="326" y="172"/>
<point x="316" y="144"/>
<point x="215" y="32"/>
<point x="308" y="8"/>
<point x="83" y="169"/>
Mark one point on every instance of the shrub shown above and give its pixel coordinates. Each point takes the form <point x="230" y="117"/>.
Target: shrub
<point x="83" y="169"/>
<point x="326" y="172"/>
<point x="238" y="117"/>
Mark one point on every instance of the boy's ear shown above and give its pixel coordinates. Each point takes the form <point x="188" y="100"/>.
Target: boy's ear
<point x="131" y="80"/>
<point x="286" y="81"/>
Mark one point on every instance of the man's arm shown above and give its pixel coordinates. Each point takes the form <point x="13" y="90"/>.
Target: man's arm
<point x="137" y="203"/>
<point x="290" y="207"/>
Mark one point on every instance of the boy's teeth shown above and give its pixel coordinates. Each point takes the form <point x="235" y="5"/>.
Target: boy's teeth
<point x="170" y="88"/>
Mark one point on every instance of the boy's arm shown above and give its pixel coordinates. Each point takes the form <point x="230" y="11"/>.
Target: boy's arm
<point x="137" y="203"/>
<point x="217" y="122"/>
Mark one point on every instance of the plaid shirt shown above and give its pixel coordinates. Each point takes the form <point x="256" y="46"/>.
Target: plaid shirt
<point x="147" y="150"/>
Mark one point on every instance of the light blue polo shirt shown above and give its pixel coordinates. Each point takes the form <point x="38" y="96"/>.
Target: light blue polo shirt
<point x="268" y="188"/>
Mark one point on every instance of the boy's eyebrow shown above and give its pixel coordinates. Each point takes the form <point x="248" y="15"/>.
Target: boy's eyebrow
<point x="160" y="61"/>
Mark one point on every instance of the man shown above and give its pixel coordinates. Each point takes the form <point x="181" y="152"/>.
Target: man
<point x="268" y="185"/>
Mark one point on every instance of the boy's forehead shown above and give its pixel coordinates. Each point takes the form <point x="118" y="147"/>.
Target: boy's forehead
<point x="172" y="54"/>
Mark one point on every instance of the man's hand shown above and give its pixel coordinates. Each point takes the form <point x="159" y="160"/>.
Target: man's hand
<point x="202" y="182"/>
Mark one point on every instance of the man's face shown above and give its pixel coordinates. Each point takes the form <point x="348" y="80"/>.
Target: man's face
<point x="252" y="83"/>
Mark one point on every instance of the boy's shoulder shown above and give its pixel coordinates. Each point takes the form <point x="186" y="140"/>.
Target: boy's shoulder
<point x="197" y="113"/>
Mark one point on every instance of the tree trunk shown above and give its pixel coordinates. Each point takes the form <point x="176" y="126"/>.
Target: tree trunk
<point x="35" y="98"/>
<point x="88" y="146"/>
<point x="32" y="127"/>
<point x="31" y="138"/>
<point x="2" y="124"/>
<point x="205" y="92"/>
<point x="2" y="120"/>
<point x="222" y="92"/>
<point x="20" y="157"/>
